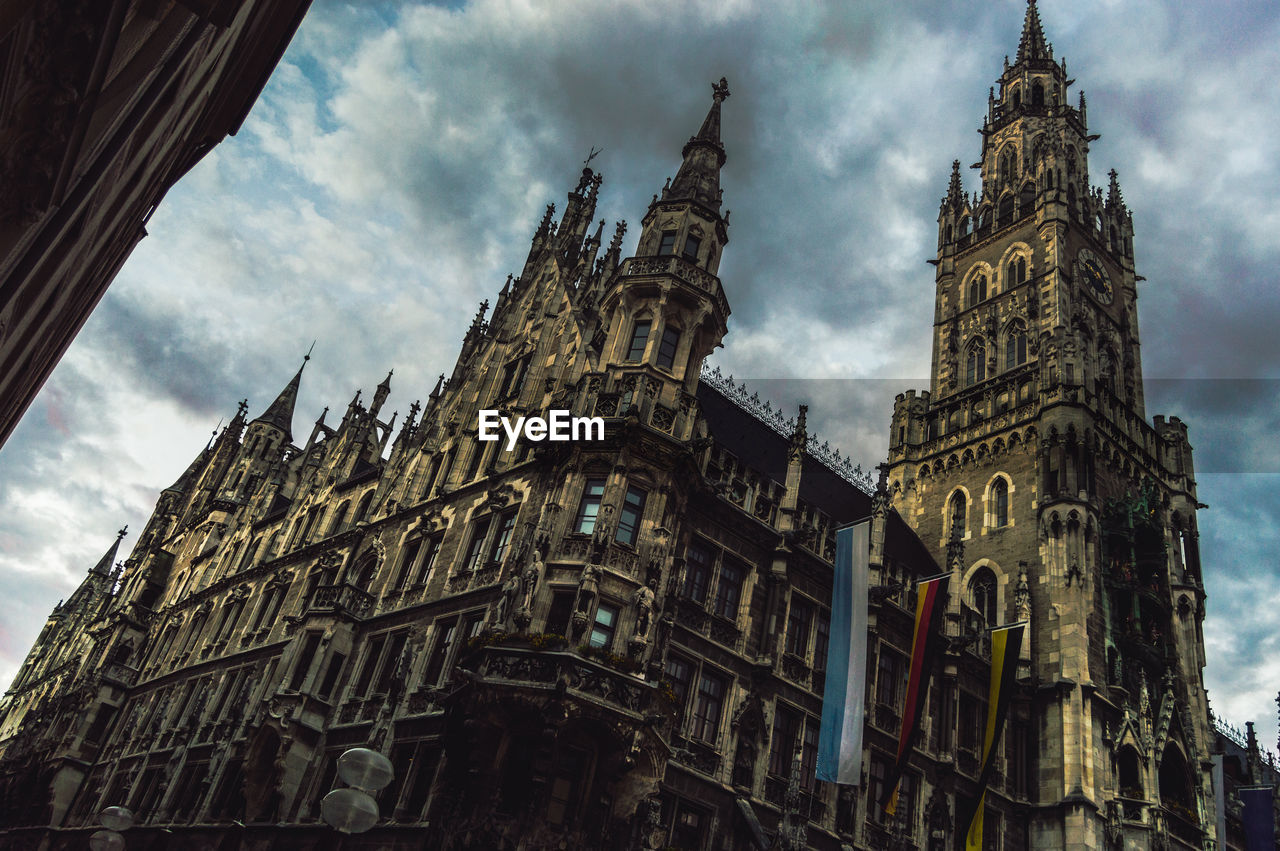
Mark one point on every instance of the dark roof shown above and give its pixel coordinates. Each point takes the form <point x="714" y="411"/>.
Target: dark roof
<point x="764" y="449"/>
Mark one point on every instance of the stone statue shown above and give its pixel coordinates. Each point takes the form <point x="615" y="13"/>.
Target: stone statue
<point x="532" y="576"/>
<point x="510" y="593"/>
<point x="587" y="589"/>
<point x="643" y="601"/>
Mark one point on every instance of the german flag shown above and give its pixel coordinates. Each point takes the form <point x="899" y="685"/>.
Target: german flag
<point x="931" y="602"/>
<point x="1006" y="643"/>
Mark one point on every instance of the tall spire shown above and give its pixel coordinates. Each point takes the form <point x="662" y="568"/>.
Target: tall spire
<point x="699" y="176"/>
<point x="1032" y="45"/>
<point x="104" y="564"/>
<point x="280" y="412"/>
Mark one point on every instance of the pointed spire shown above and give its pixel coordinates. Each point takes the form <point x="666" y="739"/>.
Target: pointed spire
<point x="280" y="412"/>
<point x="699" y="176"/>
<point x="435" y="394"/>
<point x="1032" y="45"/>
<point x="955" y="191"/>
<point x="103" y="567"/>
<point x="380" y="395"/>
<point x="1114" y="198"/>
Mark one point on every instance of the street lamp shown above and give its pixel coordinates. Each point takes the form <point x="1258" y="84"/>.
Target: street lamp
<point x="354" y="810"/>
<point x="114" y="820"/>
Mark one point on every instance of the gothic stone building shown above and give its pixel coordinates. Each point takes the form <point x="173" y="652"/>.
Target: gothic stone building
<point x="621" y="643"/>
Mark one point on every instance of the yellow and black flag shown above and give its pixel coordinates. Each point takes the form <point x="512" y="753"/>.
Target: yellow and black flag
<point x="1006" y="643"/>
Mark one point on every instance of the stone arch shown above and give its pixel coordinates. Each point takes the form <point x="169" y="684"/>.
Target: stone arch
<point x="991" y="500"/>
<point x="956" y="509"/>
<point x="989" y="601"/>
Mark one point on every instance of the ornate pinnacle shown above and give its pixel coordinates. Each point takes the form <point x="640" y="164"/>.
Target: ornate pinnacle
<point x="720" y="91"/>
<point x="955" y="190"/>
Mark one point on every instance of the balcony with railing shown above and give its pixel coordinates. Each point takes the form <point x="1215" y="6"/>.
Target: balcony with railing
<point x="345" y="600"/>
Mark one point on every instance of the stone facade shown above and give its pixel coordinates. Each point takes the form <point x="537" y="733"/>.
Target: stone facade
<point x="104" y="105"/>
<point x="1032" y="450"/>
<point x="621" y="643"/>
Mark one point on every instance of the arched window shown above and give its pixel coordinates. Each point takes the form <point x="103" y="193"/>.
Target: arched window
<point x="982" y="594"/>
<point x="1000" y="503"/>
<point x="977" y="289"/>
<point x="1037" y="95"/>
<point x="956" y="515"/>
<point x="1015" y="346"/>
<point x="339" y="517"/>
<point x="1006" y="210"/>
<point x="1027" y="198"/>
<point x="363" y="508"/>
<point x="976" y="364"/>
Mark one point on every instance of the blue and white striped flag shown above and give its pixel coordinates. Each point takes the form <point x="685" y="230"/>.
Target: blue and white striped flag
<point x="843" y="702"/>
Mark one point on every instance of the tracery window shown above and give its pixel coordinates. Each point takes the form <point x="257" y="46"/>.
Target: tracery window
<point x="982" y="594"/>
<point x="976" y="363"/>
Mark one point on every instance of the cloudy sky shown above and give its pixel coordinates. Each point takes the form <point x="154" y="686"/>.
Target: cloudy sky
<point x="401" y="156"/>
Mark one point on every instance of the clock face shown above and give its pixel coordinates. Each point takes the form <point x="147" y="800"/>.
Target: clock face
<point x="1093" y="277"/>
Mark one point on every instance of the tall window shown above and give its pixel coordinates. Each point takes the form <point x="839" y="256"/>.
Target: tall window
<point x="440" y="653"/>
<point x="680" y="674"/>
<point x="1016" y="272"/>
<point x="1000" y="503"/>
<point x="691" y="246"/>
<point x="959" y="506"/>
<point x="782" y="744"/>
<point x="585" y="521"/>
<point x="629" y="519"/>
<point x="1015" y="351"/>
<point x="475" y="552"/>
<point x="977" y="290"/>
<point x="821" y="641"/>
<point x="667" y="348"/>
<point x="639" y="337"/>
<point x="889" y="678"/>
<point x="697" y="573"/>
<point x="513" y="376"/>
<point x="728" y="591"/>
<point x="799" y="620"/>
<point x="502" y="540"/>
<point x="976" y="364"/>
<point x="363" y="509"/>
<point x="605" y="626"/>
<point x="667" y="244"/>
<point x="423" y="573"/>
<point x="707" y="705"/>
<point x="982" y="594"/>
<point x="411" y="550"/>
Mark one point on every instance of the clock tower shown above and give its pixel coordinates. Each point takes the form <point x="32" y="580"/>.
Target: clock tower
<point x="1030" y="469"/>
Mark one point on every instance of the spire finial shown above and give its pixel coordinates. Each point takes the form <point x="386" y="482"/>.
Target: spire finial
<point x="1032" y="45"/>
<point x="120" y="535"/>
<point x="720" y="90"/>
<point x="307" y="356"/>
<point x="594" y="152"/>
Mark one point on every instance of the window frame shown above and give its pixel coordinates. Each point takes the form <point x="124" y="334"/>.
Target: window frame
<point x="668" y="347"/>
<point x="638" y="339"/>
<point x="609" y="630"/>
<point x="589" y="500"/>
<point x="631" y="515"/>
